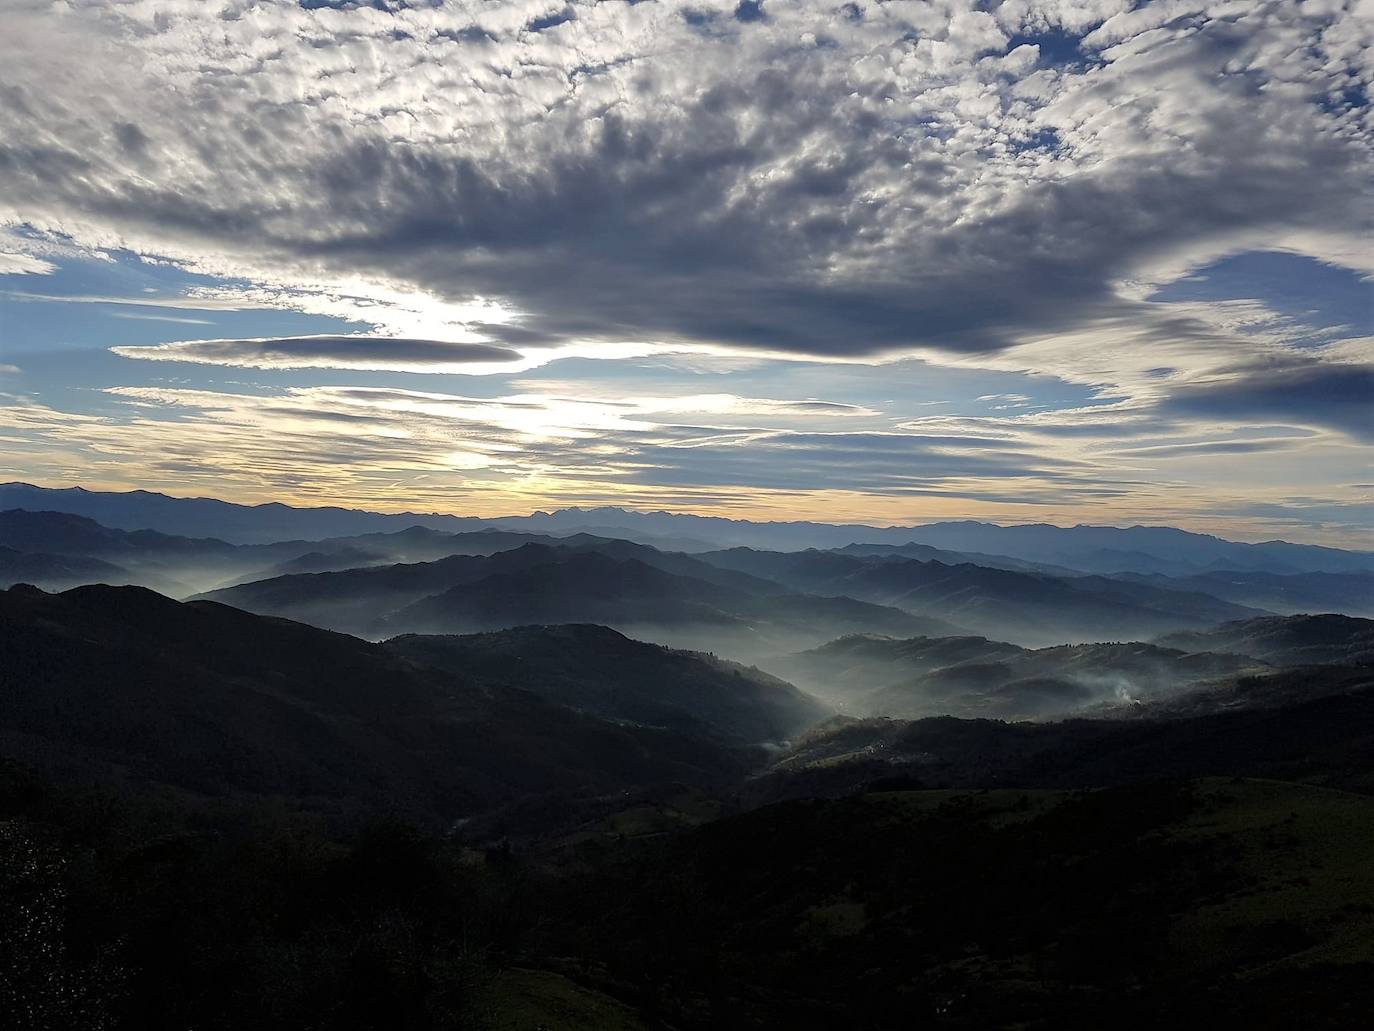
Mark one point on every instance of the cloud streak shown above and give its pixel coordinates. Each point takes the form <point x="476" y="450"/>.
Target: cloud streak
<point x="329" y="352"/>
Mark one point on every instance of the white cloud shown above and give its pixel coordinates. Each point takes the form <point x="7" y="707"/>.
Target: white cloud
<point x="24" y="265"/>
<point x="479" y="191"/>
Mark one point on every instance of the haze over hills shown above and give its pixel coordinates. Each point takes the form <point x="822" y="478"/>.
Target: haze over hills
<point x="56" y="571"/>
<point x="1351" y="593"/>
<point x="974" y="677"/>
<point x="586" y="782"/>
<point x="537" y="583"/>
<point x="717" y="598"/>
<point x="171" y="564"/>
<point x="1028" y="608"/>
<point x="1324" y="738"/>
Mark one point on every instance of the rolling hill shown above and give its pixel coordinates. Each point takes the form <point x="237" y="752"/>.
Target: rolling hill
<point x="975" y="677"/>
<point x="598" y="671"/>
<point x="124" y="684"/>
<point x="609" y="583"/>
<point x="1288" y="640"/>
<point x="1217" y="902"/>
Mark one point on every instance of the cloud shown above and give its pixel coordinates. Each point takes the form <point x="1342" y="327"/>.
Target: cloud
<point x="134" y="317"/>
<point x="189" y="303"/>
<point x="1335" y="395"/>
<point x="799" y="183"/>
<point x="24" y="265"/>
<point x="997" y="190"/>
<point x="1205" y="447"/>
<point x="572" y="447"/>
<point x="328" y="352"/>
<point x="395" y="448"/>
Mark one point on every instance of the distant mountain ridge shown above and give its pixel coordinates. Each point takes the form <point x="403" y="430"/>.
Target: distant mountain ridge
<point x="1030" y="608"/>
<point x="1097" y="549"/>
<point x="745" y="601"/>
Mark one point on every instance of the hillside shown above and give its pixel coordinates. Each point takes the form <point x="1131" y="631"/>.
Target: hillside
<point x="191" y="793"/>
<point x="975" y="677"/>
<point x="1325" y="740"/>
<point x="595" y="670"/>
<point x="124" y="683"/>
<point x="1288" y="640"/>
<point x="1216" y="901"/>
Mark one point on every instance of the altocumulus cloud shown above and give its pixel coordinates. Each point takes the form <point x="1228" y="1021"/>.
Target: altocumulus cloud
<point x="997" y="186"/>
<point x="792" y="180"/>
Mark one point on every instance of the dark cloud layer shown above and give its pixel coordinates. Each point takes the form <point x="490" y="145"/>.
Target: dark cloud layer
<point x="868" y="195"/>
<point x="1322" y="394"/>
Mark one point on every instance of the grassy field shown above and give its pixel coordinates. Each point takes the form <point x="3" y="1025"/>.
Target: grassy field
<point x="539" y="1000"/>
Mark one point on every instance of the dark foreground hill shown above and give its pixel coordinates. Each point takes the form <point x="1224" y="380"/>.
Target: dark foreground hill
<point x="105" y="683"/>
<point x="1213" y="903"/>
<point x="163" y="861"/>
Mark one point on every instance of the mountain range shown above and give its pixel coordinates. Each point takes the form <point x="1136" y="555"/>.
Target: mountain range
<point x="670" y="598"/>
<point x="1027" y="607"/>
<point x="743" y="602"/>
<point x="1094" y="549"/>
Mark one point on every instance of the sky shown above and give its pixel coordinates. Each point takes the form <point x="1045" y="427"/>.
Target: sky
<point x="1097" y="261"/>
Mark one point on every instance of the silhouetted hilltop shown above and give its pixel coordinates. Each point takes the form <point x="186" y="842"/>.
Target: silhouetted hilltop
<point x="597" y="670"/>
